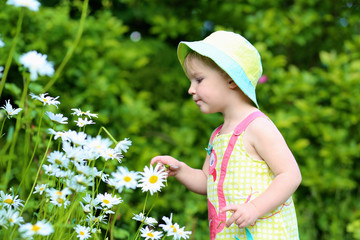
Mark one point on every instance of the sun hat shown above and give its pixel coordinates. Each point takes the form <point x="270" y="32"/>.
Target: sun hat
<point x="232" y="53"/>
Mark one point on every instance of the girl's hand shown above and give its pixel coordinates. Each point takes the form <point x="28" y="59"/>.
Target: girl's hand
<point x="173" y="165"/>
<point x="243" y="214"/>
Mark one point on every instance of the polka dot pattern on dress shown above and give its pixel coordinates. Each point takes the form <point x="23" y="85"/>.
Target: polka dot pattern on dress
<point x="245" y="179"/>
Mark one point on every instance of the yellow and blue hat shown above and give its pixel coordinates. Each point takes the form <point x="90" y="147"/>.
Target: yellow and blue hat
<point x="232" y="53"/>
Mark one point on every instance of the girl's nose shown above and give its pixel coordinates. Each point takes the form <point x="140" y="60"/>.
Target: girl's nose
<point x="191" y="90"/>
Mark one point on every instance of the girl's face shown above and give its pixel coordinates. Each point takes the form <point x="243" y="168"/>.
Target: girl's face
<point x="209" y="86"/>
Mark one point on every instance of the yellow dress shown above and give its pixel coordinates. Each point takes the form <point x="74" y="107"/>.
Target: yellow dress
<point x="237" y="178"/>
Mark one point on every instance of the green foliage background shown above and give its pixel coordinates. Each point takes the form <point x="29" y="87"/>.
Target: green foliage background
<point x="311" y="56"/>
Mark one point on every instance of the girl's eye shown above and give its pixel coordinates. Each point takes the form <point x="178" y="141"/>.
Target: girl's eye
<point x="199" y="80"/>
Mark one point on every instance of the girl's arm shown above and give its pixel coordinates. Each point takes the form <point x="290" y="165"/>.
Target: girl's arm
<point x="268" y="143"/>
<point x="194" y="179"/>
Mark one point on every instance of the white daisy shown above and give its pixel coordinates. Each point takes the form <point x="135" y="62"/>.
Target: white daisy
<point x="59" y="118"/>
<point x="40" y="228"/>
<point x="97" y="145"/>
<point x="108" y="211"/>
<point x="82" y="232"/>
<point x="83" y="168"/>
<point x="46" y="99"/>
<point x="10" y="201"/>
<point x="107" y="200"/>
<point x="30" y="4"/>
<point x="58" y="158"/>
<point x="78" y="112"/>
<point x="60" y="134"/>
<point x="146" y="220"/>
<point x="168" y="223"/>
<point x="92" y="202"/>
<point x="77" y="138"/>
<point x="181" y="233"/>
<point x="152" y="179"/>
<point x="40" y="188"/>
<point x="37" y="64"/>
<point x="123" y="145"/>
<point x="79" y="183"/>
<point x="14" y="217"/>
<point x="58" y="197"/>
<point x="83" y="122"/>
<point x="91" y="219"/>
<point x="110" y="153"/>
<point x="78" y="154"/>
<point x="150" y="234"/>
<point x="124" y="178"/>
<point x="51" y="170"/>
<point x="10" y="110"/>
<point x="86" y="207"/>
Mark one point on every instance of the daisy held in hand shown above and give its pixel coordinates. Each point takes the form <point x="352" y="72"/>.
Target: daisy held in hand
<point x="153" y="179"/>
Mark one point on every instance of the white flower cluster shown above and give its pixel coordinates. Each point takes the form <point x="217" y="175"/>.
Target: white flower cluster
<point x="169" y="228"/>
<point x="10" y="216"/>
<point x="71" y="172"/>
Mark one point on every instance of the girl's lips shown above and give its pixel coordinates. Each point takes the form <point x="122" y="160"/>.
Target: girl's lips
<point x="197" y="102"/>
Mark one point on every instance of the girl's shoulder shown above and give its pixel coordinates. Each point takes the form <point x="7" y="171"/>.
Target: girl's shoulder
<point x="262" y="130"/>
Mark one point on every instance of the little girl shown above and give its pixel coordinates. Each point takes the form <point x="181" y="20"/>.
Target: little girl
<point x="249" y="173"/>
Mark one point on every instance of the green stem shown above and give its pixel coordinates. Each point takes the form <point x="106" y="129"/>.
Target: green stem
<point x="2" y="127"/>
<point x="37" y="175"/>
<point x="12" y="50"/>
<point x="72" y="48"/>
<point x="112" y="222"/>
<point x="108" y="133"/>
<point x="143" y="212"/>
<point x="17" y="129"/>
<point x="35" y="147"/>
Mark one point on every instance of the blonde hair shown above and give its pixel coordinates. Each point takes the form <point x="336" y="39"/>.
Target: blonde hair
<point x="207" y="61"/>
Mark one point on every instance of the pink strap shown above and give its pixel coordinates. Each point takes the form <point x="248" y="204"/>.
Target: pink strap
<point x="238" y="130"/>
<point x="217" y="130"/>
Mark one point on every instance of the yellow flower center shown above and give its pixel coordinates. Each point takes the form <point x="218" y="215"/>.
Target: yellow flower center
<point x="35" y="228"/>
<point x="150" y="234"/>
<point x="41" y="189"/>
<point x="58" y="193"/>
<point x="106" y="201"/>
<point x="11" y="220"/>
<point x="153" y="179"/>
<point x="127" y="179"/>
<point x="9" y="201"/>
<point x="174" y="228"/>
<point x="57" y="161"/>
<point x="60" y="200"/>
<point x="81" y="233"/>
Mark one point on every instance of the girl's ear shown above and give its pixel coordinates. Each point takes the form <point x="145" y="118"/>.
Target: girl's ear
<point x="232" y="84"/>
